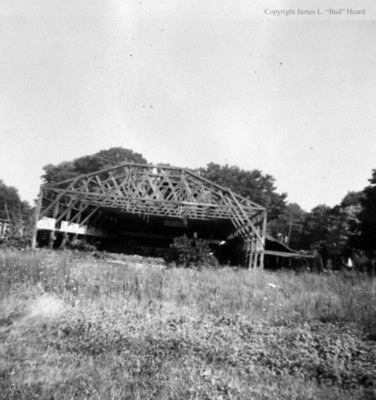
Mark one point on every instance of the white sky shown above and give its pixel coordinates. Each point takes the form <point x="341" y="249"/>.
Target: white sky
<point x="189" y="82"/>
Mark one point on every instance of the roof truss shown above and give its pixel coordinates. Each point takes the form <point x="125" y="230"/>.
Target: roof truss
<point x="153" y="191"/>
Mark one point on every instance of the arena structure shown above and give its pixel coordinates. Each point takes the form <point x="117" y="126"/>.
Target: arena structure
<point x="136" y="207"/>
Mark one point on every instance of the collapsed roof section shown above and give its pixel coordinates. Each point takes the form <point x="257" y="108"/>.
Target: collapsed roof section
<point x="159" y="192"/>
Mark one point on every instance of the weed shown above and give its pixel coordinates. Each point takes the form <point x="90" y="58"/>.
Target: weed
<point x="74" y="327"/>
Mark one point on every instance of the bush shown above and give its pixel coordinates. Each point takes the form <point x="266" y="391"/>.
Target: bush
<point x="81" y="245"/>
<point x="188" y="252"/>
<point x="18" y="243"/>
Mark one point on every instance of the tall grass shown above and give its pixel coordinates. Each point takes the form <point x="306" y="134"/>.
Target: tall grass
<point x="277" y="296"/>
<point x="137" y="330"/>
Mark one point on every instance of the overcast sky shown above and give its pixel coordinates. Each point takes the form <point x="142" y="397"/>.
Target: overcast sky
<point x="190" y="82"/>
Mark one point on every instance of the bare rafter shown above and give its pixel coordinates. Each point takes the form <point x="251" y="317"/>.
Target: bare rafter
<point x="155" y="191"/>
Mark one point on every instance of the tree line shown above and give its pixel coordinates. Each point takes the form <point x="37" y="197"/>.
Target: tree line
<point x="18" y="215"/>
<point x="347" y="230"/>
<point x="335" y="232"/>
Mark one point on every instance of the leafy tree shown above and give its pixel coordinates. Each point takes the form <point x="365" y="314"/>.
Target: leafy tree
<point x="352" y="201"/>
<point x="316" y="224"/>
<point x="289" y="226"/>
<point x="90" y="163"/>
<point x="351" y="207"/>
<point x="9" y="201"/>
<point x="253" y="185"/>
<point x="367" y="216"/>
<point x="330" y="230"/>
<point x="18" y="212"/>
<point x="60" y="172"/>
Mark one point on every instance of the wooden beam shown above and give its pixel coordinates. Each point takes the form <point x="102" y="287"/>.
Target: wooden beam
<point x="70" y="207"/>
<point x="263" y="239"/>
<point x="89" y="216"/>
<point x="129" y="165"/>
<point x="78" y="215"/>
<point x="52" y="232"/>
<point x="246" y="216"/>
<point x="57" y="199"/>
<point x="36" y="219"/>
<point x="223" y="189"/>
<point x="65" y="234"/>
<point x="285" y="254"/>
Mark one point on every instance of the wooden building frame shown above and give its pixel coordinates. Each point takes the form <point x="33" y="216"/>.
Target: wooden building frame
<point x="4" y="228"/>
<point x="153" y="191"/>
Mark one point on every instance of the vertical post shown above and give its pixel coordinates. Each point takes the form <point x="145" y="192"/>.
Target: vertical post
<point x="6" y="210"/>
<point x="36" y="219"/>
<point x="290" y="228"/>
<point x="249" y="253"/>
<point x="255" y="252"/>
<point x="262" y="255"/>
<point x="52" y="232"/>
<point x="77" y="218"/>
<point x="65" y="234"/>
<point x="2" y="229"/>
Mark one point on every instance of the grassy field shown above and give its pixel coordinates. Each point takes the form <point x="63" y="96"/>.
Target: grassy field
<point x="76" y="327"/>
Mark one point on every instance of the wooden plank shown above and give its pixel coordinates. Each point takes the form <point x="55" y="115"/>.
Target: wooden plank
<point x="285" y="254"/>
